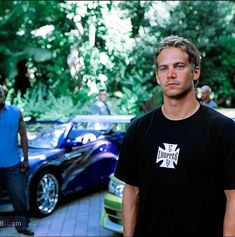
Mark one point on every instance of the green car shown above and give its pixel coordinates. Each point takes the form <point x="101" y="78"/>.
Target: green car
<point x="111" y="217"/>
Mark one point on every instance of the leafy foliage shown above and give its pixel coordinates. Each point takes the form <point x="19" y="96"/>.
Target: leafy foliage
<point x="92" y="44"/>
<point x="40" y="103"/>
<point x="209" y="25"/>
<point x="211" y="35"/>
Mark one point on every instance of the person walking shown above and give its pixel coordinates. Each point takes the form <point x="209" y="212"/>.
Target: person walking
<point x="178" y="160"/>
<point x="206" y="97"/>
<point x="12" y="169"/>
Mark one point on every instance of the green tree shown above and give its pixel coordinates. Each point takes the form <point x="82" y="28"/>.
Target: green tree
<point x="74" y="48"/>
<point x="20" y="23"/>
<point x="209" y="24"/>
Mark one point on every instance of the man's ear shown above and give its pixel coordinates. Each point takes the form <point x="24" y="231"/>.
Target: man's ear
<point x="196" y="73"/>
<point x="157" y="79"/>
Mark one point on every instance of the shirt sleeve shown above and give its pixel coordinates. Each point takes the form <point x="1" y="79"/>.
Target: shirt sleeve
<point x="127" y="165"/>
<point x="227" y="153"/>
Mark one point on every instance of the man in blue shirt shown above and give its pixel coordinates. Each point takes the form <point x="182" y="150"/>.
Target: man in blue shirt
<point x="206" y="99"/>
<point x="12" y="169"/>
<point x="101" y="107"/>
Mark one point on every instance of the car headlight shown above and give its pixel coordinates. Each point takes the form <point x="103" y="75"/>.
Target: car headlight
<point x="116" y="186"/>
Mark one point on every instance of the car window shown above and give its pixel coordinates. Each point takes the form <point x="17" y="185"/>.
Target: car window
<point x="47" y="137"/>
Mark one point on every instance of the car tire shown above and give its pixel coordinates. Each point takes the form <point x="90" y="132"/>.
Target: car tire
<point x="44" y="194"/>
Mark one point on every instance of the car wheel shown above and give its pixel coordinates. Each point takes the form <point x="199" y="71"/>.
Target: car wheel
<point x="44" y="194"/>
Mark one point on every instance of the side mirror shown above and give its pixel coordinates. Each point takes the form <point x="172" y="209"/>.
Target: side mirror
<point x="72" y="144"/>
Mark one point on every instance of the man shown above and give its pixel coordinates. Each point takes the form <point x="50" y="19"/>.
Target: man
<point x="101" y="107"/>
<point x="12" y="169"/>
<point x="178" y="161"/>
<point x="205" y="97"/>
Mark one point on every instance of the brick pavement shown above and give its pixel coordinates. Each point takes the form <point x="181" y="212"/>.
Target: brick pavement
<point x="77" y="217"/>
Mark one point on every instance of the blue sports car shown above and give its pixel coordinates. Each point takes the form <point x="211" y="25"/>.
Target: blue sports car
<point x="72" y="156"/>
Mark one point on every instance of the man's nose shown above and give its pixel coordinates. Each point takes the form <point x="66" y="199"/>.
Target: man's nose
<point x="171" y="72"/>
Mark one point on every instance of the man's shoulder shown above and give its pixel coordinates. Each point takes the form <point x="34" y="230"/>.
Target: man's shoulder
<point x="216" y="116"/>
<point x="98" y="103"/>
<point x="145" y="116"/>
<point x="144" y="120"/>
<point x="212" y="104"/>
<point x="12" y="109"/>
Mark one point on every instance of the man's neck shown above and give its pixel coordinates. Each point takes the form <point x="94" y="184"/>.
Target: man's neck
<point x="179" y="109"/>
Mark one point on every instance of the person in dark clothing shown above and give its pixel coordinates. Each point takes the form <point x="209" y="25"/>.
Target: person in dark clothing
<point x="22" y="82"/>
<point x="178" y="160"/>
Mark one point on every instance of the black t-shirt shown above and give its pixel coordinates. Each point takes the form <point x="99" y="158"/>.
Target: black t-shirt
<point x="182" y="169"/>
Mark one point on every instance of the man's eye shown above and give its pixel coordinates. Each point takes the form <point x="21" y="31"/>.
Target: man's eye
<point x="180" y="66"/>
<point x="162" y="69"/>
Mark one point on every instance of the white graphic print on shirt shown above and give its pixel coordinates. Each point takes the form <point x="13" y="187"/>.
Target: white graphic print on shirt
<point x="168" y="156"/>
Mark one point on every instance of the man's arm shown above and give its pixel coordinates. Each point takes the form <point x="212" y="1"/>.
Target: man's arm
<point x="24" y="143"/>
<point x="130" y="208"/>
<point x="229" y="218"/>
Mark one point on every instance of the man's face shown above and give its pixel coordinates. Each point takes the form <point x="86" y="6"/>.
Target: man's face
<point x="103" y="96"/>
<point x="2" y="95"/>
<point x="205" y="95"/>
<point x="175" y="74"/>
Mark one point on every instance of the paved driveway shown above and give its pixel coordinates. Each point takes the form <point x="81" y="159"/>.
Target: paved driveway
<point x="77" y="216"/>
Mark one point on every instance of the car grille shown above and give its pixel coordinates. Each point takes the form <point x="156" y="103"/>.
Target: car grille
<point x="114" y="216"/>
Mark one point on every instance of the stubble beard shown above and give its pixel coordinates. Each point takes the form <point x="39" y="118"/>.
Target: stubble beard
<point x="179" y="95"/>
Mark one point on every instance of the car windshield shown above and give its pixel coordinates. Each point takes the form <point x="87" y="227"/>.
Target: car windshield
<point x="46" y="136"/>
